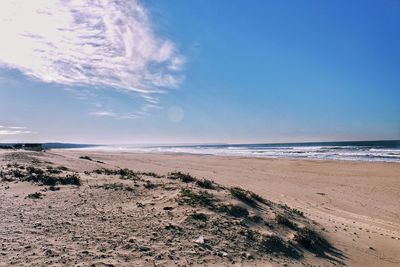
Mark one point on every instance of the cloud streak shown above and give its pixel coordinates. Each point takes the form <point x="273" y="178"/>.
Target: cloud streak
<point x="13" y="130"/>
<point x="101" y="43"/>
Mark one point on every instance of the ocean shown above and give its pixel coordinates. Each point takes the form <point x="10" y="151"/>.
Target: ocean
<point x="385" y="151"/>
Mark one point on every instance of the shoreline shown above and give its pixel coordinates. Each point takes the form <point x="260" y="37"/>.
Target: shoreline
<point x="220" y="155"/>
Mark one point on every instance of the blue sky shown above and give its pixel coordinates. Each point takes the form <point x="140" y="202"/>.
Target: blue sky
<point x="203" y="71"/>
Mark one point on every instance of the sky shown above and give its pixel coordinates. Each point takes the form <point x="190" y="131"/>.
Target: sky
<point x="177" y="71"/>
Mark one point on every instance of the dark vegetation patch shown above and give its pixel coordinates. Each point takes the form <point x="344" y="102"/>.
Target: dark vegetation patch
<point x="199" y="217"/>
<point x="256" y="219"/>
<point x="275" y="244"/>
<point x="282" y="219"/>
<point x="207" y="184"/>
<point x="53" y="188"/>
<point x="52" y="170"/>
<point x="201" y="198"/>
<point x="244" y="196"/>
<point x="70" y="179"/>
<point x="259" y="198"/>
<point x="151" y="174"/>
<point x="237" y="211"/>
<point x="124" y="173"/>
<point x="116" y="187"/>
<point x="17" y="173"/>
<point x="36" y="195"/>
<point x="49" y="176"/>
<point x="86" y="158"/>
<point x="186" y="178"/>
<point x="149" y="185"/>
<point x="291" y="210"/>
<point x="311" y="240"/>
<point x="298" y="212"/>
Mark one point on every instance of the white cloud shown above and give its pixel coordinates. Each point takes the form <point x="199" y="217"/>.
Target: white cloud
<point x="140" y="113"/>
<point x="13" y="130"/>
<point x="16" y="127"/>
<point x="103" y="43"/>
<point x="103" y="113"/>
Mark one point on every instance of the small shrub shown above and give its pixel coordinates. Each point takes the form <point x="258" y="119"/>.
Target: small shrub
<point x="204" y="183"/>
<point x="151" y="174"/>
<point x="311" y="240"/>
<point x="202" y="198"/>
<point x="243" y="195"/>
<point x="186" y="178"/>
<point x="52" y="170"/>
<point x="36" y="195"/>
<point x="34" y="170"/>
<point x="282" y="219"/>
<point x="149" y="185"/>
<point x="53" y="188"/>
<point x="63" y="168"/>
<point x="258" y="198"/>
<point x="298" y="212"/>
<point x="86" y="158"/>
<point x="47" y="180"/>
<point x="17" y="173"/>
<point x="237" y="211"/>
<point x="116" y="187"/>
<point x="124" y="173"/>
<point x="256" y="219"/>
<point x="275" y="244"/>
<point x="70" y="179"/>
<point x="199" y="217"/>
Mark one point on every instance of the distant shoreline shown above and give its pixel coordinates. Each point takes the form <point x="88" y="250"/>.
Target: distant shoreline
<point x="365" y="151"/>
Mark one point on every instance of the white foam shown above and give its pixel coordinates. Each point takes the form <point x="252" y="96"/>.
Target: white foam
<point x="354" y="153"/>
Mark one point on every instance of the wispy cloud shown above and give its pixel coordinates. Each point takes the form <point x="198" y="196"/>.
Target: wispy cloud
<point x="13" y="130"/>
<point x="103" y="113"/>
<point x="140" y="113"/>
<point x="101" y="43"/>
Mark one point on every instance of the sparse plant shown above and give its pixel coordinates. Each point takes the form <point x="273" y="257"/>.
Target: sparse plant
<point x="151" y="174"/>
<point x="282" y="219"/>
<point x="186" y="178"/>
<point x="34" y="170"/>
<point x="275" y="244"/>
<point x="17" y="173"/>
<point x="52" y="170"/>
<point x="70" y="179"/>
<point x="36" y="195"/>
<point x="298" y="212"/>
<point x="124" y="173"/>
<point x="202" y="198"/>
<point x="149" y="185"/>
<point x="207" y="184"/>
<point x="86" y="158"/>
<point x="116" y="187"/>
<point x="243" y="195"/>
<point x="237" y="211"/>
<point x="311" y="240"/>
<point x="256" y="219"/>
<point x="199" y="217"/>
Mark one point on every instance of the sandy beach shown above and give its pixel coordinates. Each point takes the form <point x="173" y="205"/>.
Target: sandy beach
<point x="356" y="204"/>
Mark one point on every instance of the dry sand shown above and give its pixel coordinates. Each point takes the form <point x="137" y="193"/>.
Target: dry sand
<point x="356" y="203"/>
